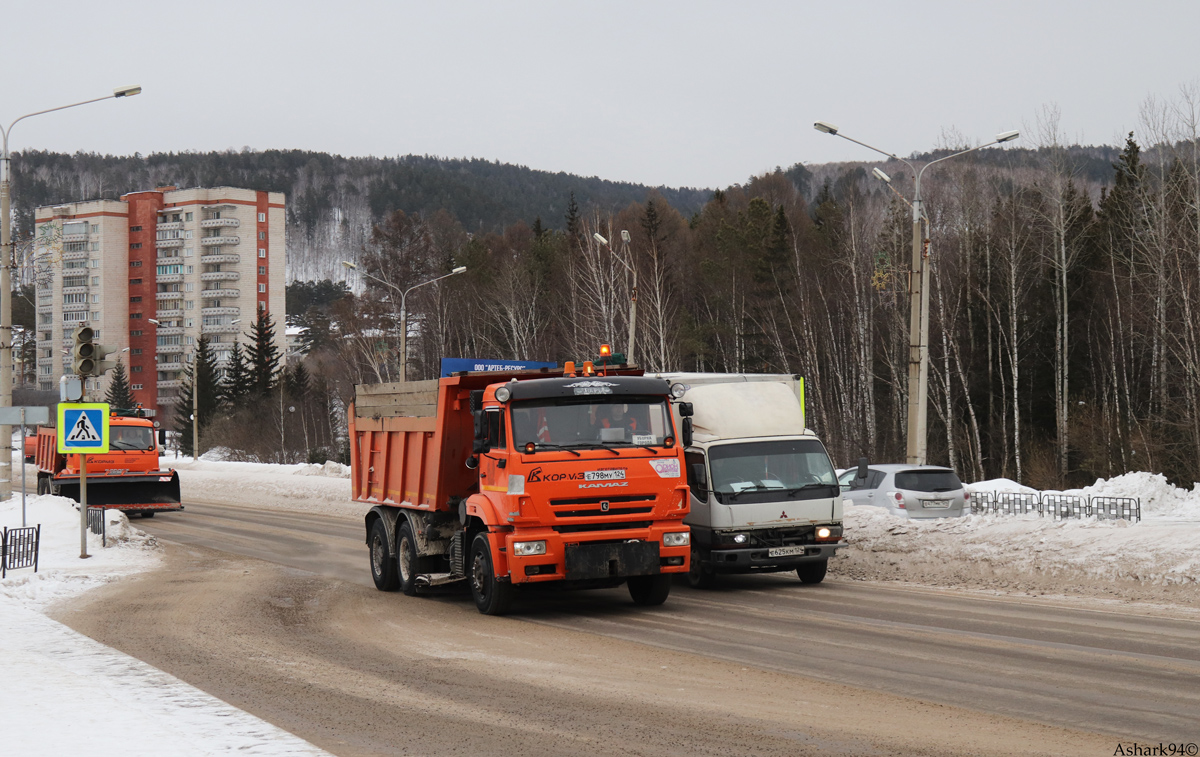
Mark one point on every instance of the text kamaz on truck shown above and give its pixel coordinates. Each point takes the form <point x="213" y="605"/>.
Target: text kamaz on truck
<point x="506" y="479"/>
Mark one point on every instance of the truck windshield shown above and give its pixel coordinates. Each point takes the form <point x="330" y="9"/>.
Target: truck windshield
<point x="591" y="421"/>
<point x="130" y="437"/>
<point x="772" y="471"/>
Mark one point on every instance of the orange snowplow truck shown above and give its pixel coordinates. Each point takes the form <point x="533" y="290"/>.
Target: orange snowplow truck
<point x="506" y="479"/>
<point x="126" y="478"/>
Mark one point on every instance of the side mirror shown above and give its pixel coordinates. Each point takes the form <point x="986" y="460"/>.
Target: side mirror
<point x="685" y="409"/>
<point x="687" y="432"/>
<point x="862" y="468"/>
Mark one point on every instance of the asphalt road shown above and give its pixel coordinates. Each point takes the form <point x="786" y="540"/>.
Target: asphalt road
<point x="1108" y="669"/>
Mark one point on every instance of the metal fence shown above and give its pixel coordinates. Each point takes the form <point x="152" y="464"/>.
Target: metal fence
<point x="96" y="524"/>
<point x="1057" y="506"/>
<point x="19" y="548"/>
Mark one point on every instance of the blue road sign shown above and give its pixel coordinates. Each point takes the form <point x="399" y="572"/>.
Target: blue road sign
<point x="83" y="427"/>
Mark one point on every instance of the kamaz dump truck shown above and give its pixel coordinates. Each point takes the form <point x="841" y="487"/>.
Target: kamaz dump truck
<point x="127" y="478"/>
<point x="553" y="477"/>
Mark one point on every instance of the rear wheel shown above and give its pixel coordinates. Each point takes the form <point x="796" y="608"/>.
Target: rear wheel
<point x="700" y="577"/>
<point x="408" y="564"/>
<point x="812" y="572"/>
<point x="147" y="513"/>
<point x="650" y="590"/>
<point x="492" y="597"/>
<point x="383" y="567"/>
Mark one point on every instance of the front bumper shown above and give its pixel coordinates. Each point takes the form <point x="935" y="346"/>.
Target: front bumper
<point x="613" y="556"/>
<point x="758" y="559"/>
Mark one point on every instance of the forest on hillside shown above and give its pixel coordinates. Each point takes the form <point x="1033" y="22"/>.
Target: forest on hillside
<point x="1065" y="305"/>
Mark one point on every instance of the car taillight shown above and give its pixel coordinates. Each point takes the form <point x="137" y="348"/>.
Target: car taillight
<point x="966" y="496"/>
<point x="899" y="500"/>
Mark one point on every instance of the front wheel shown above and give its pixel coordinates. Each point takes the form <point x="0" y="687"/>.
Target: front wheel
<point x="698" y="576"/>
<point x="650" y="590"/>
<point x="492" y="596"/>
<point x="383" y="567"/>
<point x="812" y="572"/>
<point x="408" y="564"/>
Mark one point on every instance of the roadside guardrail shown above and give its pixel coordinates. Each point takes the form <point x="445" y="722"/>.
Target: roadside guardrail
<point x="1057" y="505"/>
<point x="96" y="524"/>
<point x="19" y="548"/>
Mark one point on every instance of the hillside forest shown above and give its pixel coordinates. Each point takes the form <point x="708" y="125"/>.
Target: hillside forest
<point x="1065" y="300"/>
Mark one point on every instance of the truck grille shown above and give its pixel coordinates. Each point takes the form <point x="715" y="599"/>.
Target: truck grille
<point x="576" y="528"/>
<point x="592" y="507"/>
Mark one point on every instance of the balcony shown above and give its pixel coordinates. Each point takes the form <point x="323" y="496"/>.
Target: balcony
<point x="170" y="226"/>
<point x="75" y="290"/>
<point x="220" y="311"/>
<point x="173" y="313"/>
<point x="168" y="295"/>
<point x="75" y="255"/>
<point x="228" y="328"/>
<point x="216" y="223"/>
<point x="172" y="384"/>
<point x="174" y="366"/>
<point x="220" y="276"/>
<point x="161" y="243"/>
<point x="169" y="278"/>
<point x="219" y="293"/>
<point x="219" y="241"/>
<point x="169" y="330"/>
<point x="74" y="238"/>
<point x="169" y="349"/>
<point x="222" y="257"/>
<point x="167" y="399"/>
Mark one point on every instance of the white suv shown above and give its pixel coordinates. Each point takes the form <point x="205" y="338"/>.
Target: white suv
<point x="907" y="491"/>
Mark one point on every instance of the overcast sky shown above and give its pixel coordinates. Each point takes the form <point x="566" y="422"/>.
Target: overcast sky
<point x="694" y="93"/>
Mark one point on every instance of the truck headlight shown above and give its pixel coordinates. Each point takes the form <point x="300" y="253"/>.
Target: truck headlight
<point x="828" y="533"/>
<point x="529" y="548"/>
<point x="503" y="394"/>
<point x="677" y="539"/>
<point x="823" y="533"/>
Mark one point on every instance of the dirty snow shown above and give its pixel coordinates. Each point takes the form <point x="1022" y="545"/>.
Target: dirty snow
<point x="306" y="488"/>
<point x="64" y="693"/>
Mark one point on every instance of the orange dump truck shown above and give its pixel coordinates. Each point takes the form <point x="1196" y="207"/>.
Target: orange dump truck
<point x="126" y="478"/>
<point x="505" y="479"/>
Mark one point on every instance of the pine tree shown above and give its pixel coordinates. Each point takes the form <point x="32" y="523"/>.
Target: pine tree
<point x="207" y="383"/>
<point x="263" y="355"/>
<point x="119" y="395"/>
<point x="235" y="381"/>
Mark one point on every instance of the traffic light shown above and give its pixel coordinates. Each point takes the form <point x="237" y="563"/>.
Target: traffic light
<point x="87" y="357"/>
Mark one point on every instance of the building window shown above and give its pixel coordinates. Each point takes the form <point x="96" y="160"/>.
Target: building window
<point x="95" y="281"/>
<point x="187" y="216"/>
<point x="95" y="228"/>
<point x="94" y="263"/>
<point x="262" y="270"/>
<point x="187" y="235"/>
<point x="135" y="333"/>
<point x="190" y="269"/>
<point x="166" y="270"/>
<point x="135" y="228"/>
<point x="190" y="323"/>
<point x="191" y="305"/>
<point x="136" y="369"/>
<point x="136" y="387"/>
<point x="134" y="317"/>
<point x="95" y="299"/>
<point x="262" y="252"/>
<point x="262" y="287"/>
<point x="190" y="287"/>
<point x="75" y="247"/>
<point x="136" y="350"/>
<point x="262" y="217"/>
<point x="135" y="299"/>
<point x="134" y="282"/>
<point x="74" y="281"/>
<point x="262" y="305"/>
<point x="135" y="246"/>
<point x="95" y="246"/>
<point x="262" y="235"/>
<point x="74" y="299"/>
<point x="135" y="264"/>
<point x="96" y="317"/>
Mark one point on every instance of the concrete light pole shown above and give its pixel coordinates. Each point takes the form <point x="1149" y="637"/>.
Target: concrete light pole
<point x="7" y="263"/>
<point x="918" y="295"/>
<point x="627" y="261"/>
<point x="403" y="308"/>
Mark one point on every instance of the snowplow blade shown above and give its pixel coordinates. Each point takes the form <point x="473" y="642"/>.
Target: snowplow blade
<point x="128" y="493"/>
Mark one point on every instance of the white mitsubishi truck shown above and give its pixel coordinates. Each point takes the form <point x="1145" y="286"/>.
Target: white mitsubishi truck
<point x="765" y="497"/>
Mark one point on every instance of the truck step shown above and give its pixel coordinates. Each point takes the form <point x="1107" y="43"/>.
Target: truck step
<point x="437" y="579"/>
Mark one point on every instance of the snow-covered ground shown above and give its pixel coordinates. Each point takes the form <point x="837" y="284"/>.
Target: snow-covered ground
<point x="1157" y="559"/>
<point x="305" y="488"/>
<point x="64" y="693"/>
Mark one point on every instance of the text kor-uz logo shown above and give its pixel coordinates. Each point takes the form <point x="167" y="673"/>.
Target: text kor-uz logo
<point x="607" y="474"/>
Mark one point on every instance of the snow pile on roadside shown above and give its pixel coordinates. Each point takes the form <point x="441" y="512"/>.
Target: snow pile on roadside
<point x="1159" y="498"/>
<point x="61" y="572"/>
<point x="321" y="489"/>
<point x="1031" y="553"/>
<point x="1000" y="485"/>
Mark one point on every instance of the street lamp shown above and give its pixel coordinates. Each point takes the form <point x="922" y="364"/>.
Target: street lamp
<point x="7" y="261"/>
<point x="627" y="262"/>
<point x="403" y="309"/>
<point x="918" y="293"/>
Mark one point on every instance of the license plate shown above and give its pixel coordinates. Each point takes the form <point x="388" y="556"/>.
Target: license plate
<point x="784" y="551"/>
<point x="935" y="504"/>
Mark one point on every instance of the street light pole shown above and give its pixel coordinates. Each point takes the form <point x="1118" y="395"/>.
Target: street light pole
<point x="626" y="260"/>
<point x="7" y="263"/>
<point x="918" y="295"/>
<point x="403" y="308"/>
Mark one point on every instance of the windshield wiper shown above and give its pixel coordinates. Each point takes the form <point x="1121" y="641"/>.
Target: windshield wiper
<point x="635" y="444"/>
<point x="798" y="489"/>
<point x="121" y="445"/>
<point x="557" y="446"/>
<point x="594" y="445"/>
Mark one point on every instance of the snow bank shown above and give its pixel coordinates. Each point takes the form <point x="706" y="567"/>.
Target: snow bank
<point x="312" y="488"/>
<point x="1159" y="498"/>
<point x="61" y="573"/>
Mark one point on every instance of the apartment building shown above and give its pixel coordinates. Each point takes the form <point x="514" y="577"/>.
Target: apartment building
<point x="151" y="273"/>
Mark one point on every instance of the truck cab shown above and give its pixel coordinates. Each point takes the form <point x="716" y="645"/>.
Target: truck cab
<point x="764" y="493"/>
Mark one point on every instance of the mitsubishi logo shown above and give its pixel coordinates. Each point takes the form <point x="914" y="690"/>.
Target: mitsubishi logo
<point x="783" y="514"/>
<point x="604" y="506"/>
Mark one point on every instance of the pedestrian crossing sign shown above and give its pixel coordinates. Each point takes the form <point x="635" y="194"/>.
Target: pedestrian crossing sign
<point x="82" y="427"/>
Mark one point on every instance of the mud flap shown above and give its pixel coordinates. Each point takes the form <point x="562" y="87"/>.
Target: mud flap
<point x="128" y="494"/>
<point x="612" y="560"/>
